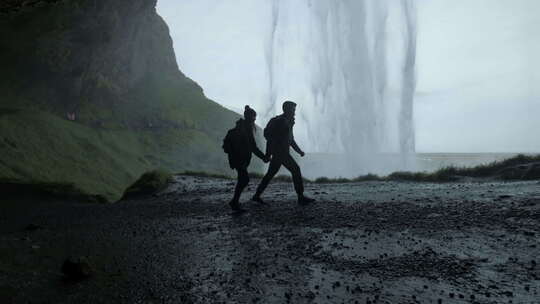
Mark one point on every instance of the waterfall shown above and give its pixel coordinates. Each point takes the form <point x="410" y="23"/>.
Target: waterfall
<point x="409" y="79"/>
<point x="350" y="65"/>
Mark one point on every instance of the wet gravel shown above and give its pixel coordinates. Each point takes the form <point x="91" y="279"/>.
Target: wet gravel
<point x="370" y="242"/>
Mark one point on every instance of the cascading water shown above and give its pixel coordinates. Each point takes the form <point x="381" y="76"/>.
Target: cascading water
<point x="348" y="64"/>
<point x="351" y="67"/>
<point x="331" y="57"/>
<point x="407" y="143"/>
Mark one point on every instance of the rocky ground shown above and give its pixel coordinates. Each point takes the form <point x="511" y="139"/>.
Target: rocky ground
<point x="370" y="242"/>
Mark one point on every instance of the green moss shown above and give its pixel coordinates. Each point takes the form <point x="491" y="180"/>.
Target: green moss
<point x="40" y="148"/>
<point x="150" y="182"/>
<point x="57" y="59"/>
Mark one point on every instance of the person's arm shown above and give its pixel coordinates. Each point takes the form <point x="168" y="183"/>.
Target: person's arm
<point x="296" y="148"/>
<point x="267" y="151"/>
<point x="259" y="153"/>
<point x="256" y="149"/>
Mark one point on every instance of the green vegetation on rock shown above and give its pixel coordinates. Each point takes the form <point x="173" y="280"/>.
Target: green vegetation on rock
<point x="110" y="68"/>
<point x="150" y="182"/>
<point x="40" y="148"/>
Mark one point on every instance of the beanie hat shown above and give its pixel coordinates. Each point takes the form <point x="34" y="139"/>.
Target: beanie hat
<point x="249" y="112"/>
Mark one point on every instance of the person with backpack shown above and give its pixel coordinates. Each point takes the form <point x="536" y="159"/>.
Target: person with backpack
<point x="239" y="144"/>
<point x="279" y="136"/>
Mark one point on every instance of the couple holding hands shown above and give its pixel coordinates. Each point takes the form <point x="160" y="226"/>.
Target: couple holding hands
<point x="240" y="143"/>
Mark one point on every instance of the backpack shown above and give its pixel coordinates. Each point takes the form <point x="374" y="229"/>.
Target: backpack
<point x="234" y="145"/>
<point x="229" y="142"/>
<point x="270" y="129"/>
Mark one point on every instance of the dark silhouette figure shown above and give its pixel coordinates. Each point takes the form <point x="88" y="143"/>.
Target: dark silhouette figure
<point x="239" y="144"/>
<point x="279" y="136"/>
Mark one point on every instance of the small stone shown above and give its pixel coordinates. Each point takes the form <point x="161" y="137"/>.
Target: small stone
<point x="33" y="227"/>
<point x="508" y="293"/>
<point x="76" y="268"/>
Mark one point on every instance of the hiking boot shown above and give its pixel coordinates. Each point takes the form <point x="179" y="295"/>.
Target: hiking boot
<point x="235" y="206"/>
<point x="305" y="200"/>
<point x="258" y="199"/>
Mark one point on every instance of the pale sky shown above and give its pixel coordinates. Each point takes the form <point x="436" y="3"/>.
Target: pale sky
<point x="217" y="59"/>
<point x="478" y="67"/>
<point x="478" y="76"/>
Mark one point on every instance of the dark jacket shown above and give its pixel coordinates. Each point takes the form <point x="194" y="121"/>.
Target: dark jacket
<point x="243" y="146"/>
<point x="281" y="136"/>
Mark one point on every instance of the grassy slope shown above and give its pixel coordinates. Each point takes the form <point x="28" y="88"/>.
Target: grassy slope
<point x="162" y="122"/>
<point x="38" y="147"/>
<point x="41" y="149"/>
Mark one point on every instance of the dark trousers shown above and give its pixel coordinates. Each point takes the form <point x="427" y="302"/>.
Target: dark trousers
<point x="241" y="183"/>
<point x="288" y="162"/>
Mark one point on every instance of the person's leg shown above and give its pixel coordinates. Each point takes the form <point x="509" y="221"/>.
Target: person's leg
<point x="292" y="166"/>
<point x="296" y="173"/>
<point x="242" y="182"/>
<point x="273" y="169"/>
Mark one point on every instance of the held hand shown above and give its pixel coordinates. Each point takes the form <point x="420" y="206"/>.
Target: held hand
<point x="302" y="153"/>
<point x="266" y="159"/>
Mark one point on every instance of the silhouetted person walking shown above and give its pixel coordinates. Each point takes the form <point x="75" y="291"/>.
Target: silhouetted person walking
<point x="239" y="144"/>
<point x="279" y="136"/>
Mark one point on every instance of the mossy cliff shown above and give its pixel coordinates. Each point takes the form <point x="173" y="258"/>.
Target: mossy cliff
<point x="91" y="97"/>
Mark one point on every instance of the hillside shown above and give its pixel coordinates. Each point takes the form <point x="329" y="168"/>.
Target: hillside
<point x="92" y="98"/>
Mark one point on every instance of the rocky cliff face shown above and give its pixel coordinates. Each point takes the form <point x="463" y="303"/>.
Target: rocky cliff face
<point x="102" y="76"/>
<point x="69" y="56"/>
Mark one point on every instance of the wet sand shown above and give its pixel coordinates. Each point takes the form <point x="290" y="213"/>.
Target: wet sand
<point x="370" y="242"/>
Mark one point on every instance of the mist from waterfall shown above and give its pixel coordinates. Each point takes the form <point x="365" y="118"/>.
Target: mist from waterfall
<point x="351" y="67"/>
<point x="348" y="64"/>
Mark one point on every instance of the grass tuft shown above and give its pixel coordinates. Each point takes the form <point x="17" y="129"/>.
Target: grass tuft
<point x="149" y="183"/>
<point x="446" y="174"/>
<point x="497" y="169"/>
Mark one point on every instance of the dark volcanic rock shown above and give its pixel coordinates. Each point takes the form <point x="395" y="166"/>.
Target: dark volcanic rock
<point x="86" y="53"/>
<point x="77" y="268"/>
